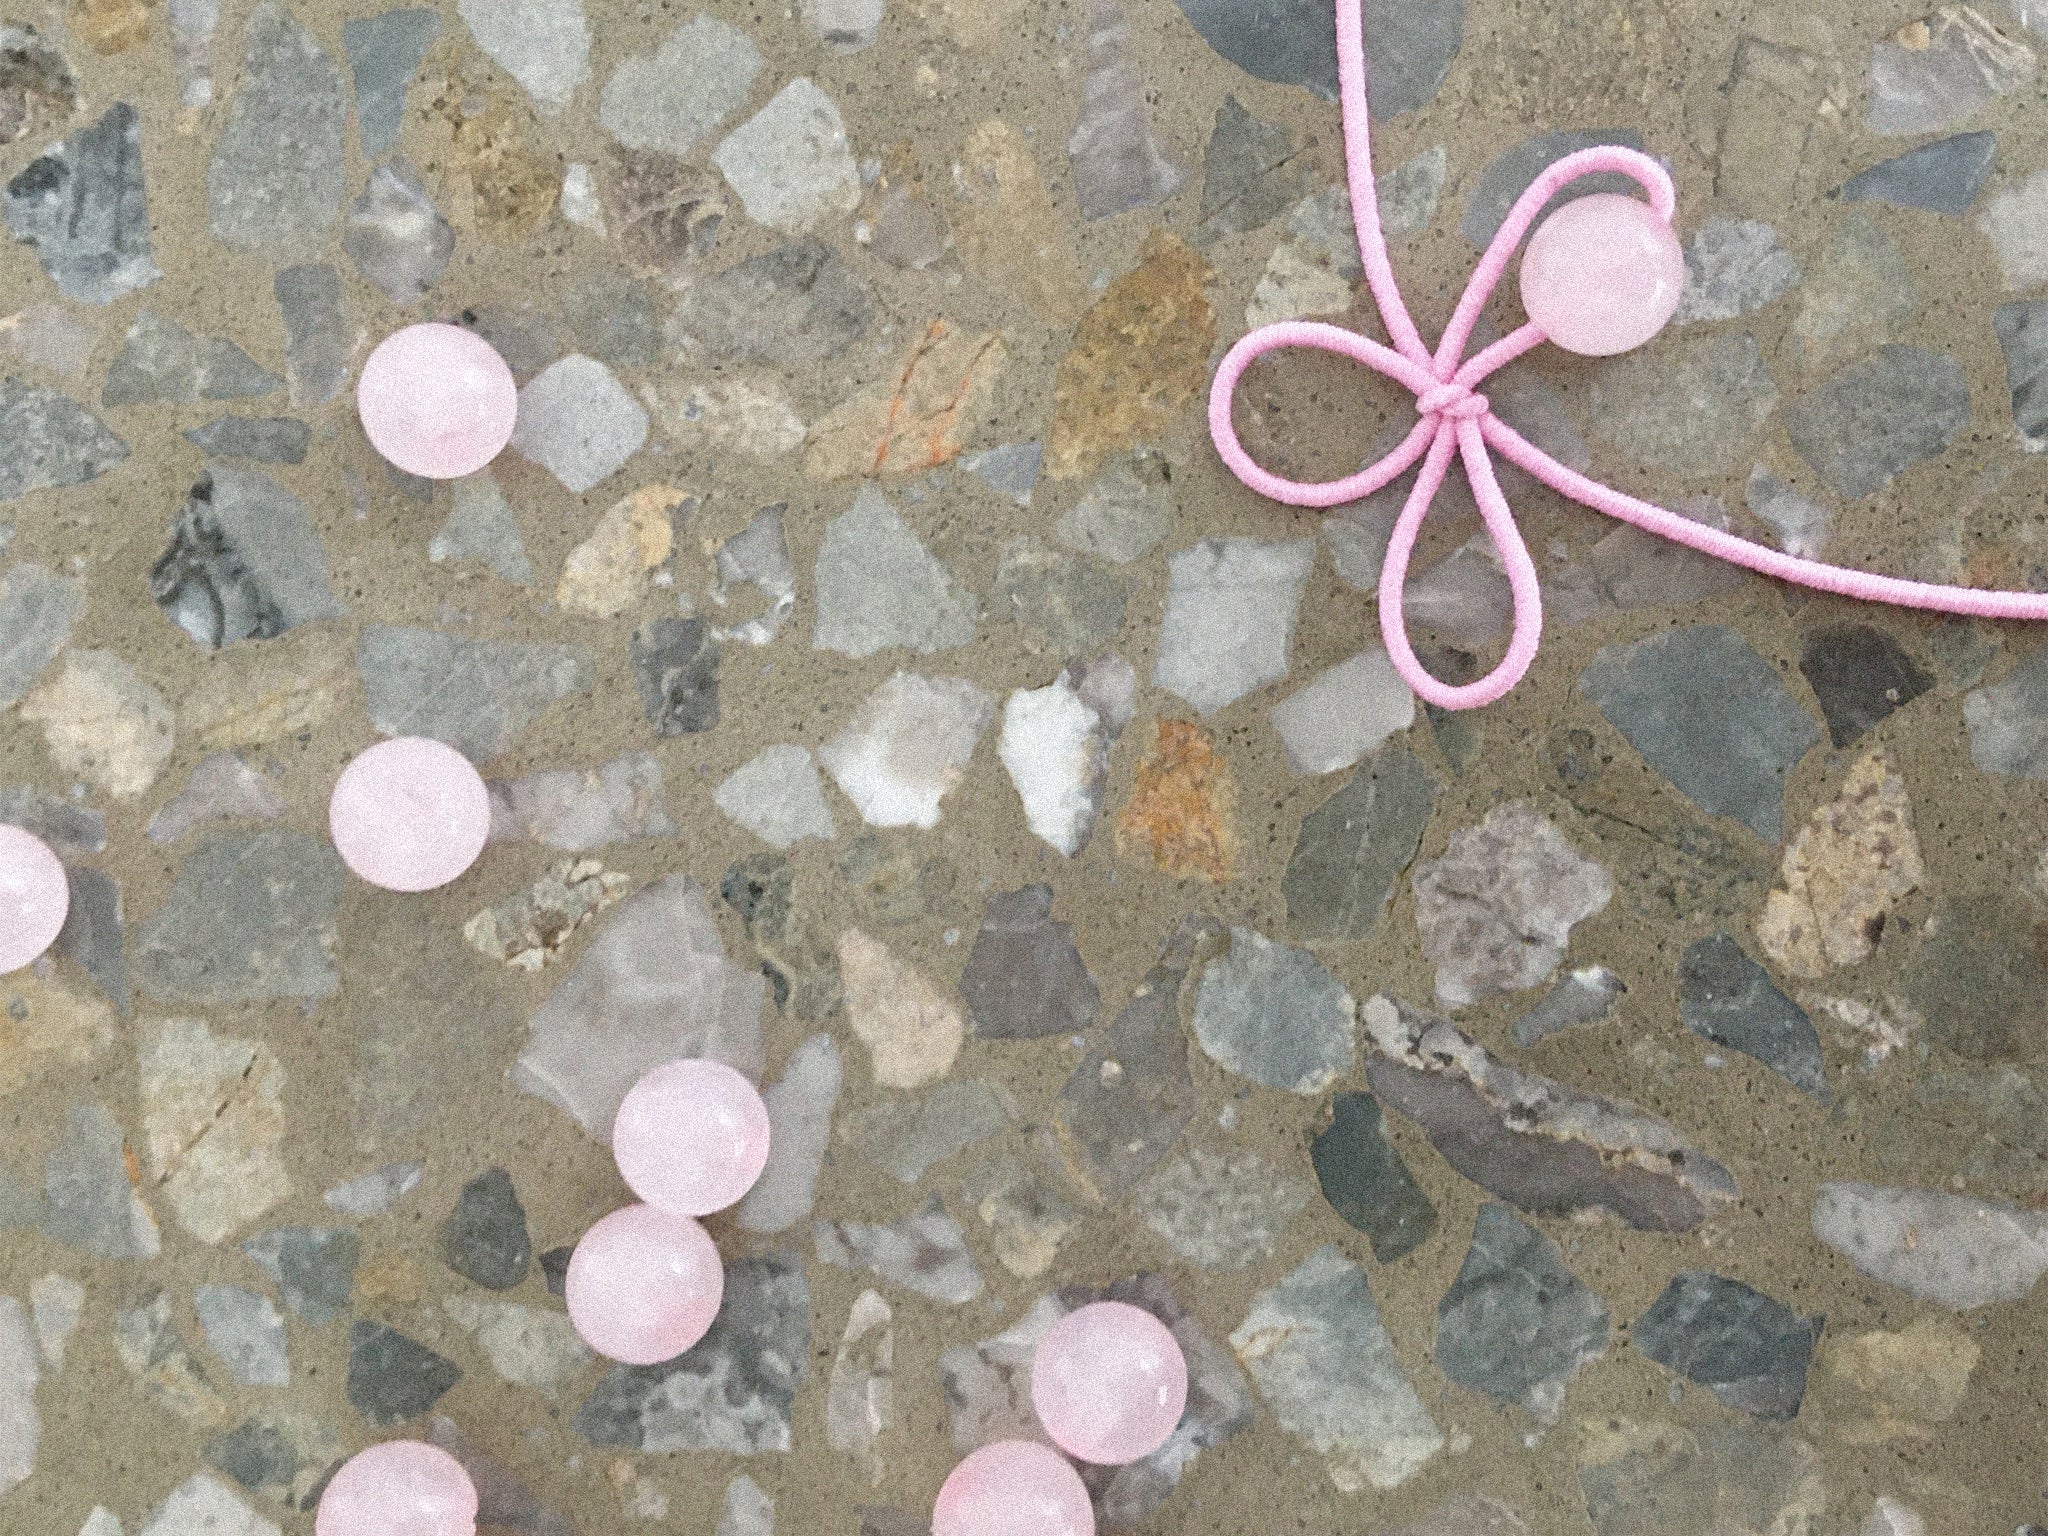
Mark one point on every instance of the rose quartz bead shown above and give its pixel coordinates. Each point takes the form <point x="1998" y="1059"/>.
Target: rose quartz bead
<point x="691" y="1137"/>
<point x="399" y="1488"/>
<point x="1109" y="1382"/>
<point x="409" y="814"/>
<point x="644" y="1285"/>
<point x="437" y="401"/>
<point x="1013" y="1488"/>
<point x="1603" y="274"/>
<point x="35" y="897"/>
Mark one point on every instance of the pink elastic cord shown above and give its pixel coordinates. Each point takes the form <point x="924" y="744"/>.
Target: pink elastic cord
<point x="1456" y="420"/>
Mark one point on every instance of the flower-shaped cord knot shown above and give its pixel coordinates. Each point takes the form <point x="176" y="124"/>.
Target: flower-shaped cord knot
<point x="1455" y="420"/>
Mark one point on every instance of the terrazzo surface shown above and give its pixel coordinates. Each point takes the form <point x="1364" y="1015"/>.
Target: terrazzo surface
<point x="1615" y="1111"/>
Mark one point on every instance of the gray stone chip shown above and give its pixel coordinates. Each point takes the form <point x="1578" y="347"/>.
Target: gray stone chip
<point x="1517" y="1324"/>
<point x="81" y="204"/>
<point x="1877" y="418"/>
<point x="249" y="917"/>
<point x="48" y="440"/>
<point x="1355" y="844"/>
<point x="1025" y="977"/>
<point x="275" y="180"/>
<point x="244" y="561"/>
<point x="1726" y="997"/>
<point x="476" y="695"/>
<point x="1750" y="1350"/>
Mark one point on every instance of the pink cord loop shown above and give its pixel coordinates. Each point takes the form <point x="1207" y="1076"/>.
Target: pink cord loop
<point x="1454" y="419"/>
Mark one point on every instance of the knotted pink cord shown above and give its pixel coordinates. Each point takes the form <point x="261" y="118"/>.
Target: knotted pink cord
<point x="1456" y="419"/>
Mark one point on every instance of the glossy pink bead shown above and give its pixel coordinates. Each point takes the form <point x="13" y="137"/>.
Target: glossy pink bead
<point x="691" y="1137"/>
<point x="1109" y="1382"/>
<point x="399" y="1488"/>
<point x="644" y="1285"/>
<point x="437" y="401"/>
<point x="409" y="814"/>
<point x="1602" y="275"/>
<point x="1013" y="1488"/>
<point x="35" y="897"/>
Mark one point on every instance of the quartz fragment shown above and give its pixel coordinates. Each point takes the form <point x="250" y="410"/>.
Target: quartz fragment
<point x="1229" y="622"/>
<point x="2014" y="223"/>
<point x="1692" y="407"/>
<point x="543" y="44"/>
<point x="395" y="235"/>
<point x="1276" y="1015"/>
<point x="93" y="1204"/>
<point x="482" y="528"/>
<point x="1025" y="977"/>
<point x="244" y="562"/>
<point x="1010" y="470"/>
<point x="1733" y="267"/>
<point x="1537" y="1144"/>
<point x="1221" y="1212"/>
<point x="2009" y="721"/>
<point x="1945" y="1248"/>
<point x="925" y="1252"/>
<point x="672" y="99"/>
<point x="748" y="1510"/>
<point x="1140" y="354"/>
<point x="313" y="1268"/>
<point x="789" y="163"/>
<point x="49" y="440"/>
<point x="266" y="439"/>
<point x="1718" y="1480"/>
<point x="913" y="420"/>
<point x="734" y="1390"/>
<point x="317" y="339"/>
<point x="1366" y="1181"/>
<point x="46" y="336"/>
<point x="1319" y="1353"/>
<point x="776" y="795"/>
<point x="1942" y="177"/>
<point x="1118" y="165"/>
<point x="275" y="180"/>
<point x="1582" y="997"/>
<point x="654" y="985"/>
<point x="476" y="695"/>
<point x="1056" y="750"/>
<point x="375" y="1192"/>
<point x="148" y="1343"/>
<point x="1126" y="511"/>
<point x="1517" y="1324"/>
<point x="384" y="52"/>
<point x="800" y="1109"/>
<point x="527" y="1346"/>
<point x="798" y="304"/>
<point x="101" y="722"/>
<point x="249" y="916"/>
<point x="81" y="204"/>
<point x="213" y="1125"/>
<point x="246" y="1332"/>
<point x="1938" y="71"/>
<point x="203" y="1506"/>
<point x="576" y="811"/>
<point x="860" y="1398"/>
<point x="912" y="1033"/>
<point x="879" y="587"/>
<point x="578" y="422"/>
<point x="1750" y="1350"/>
<point x="906" y="746"/>
<point x="1709" y="714"/>
<point x="392" y="1378"/>
<point x="21" y="1427"/>
<point x="484" y="1239"/>
<point x="1877" y="418"/>
<point x="1497" y="910"/>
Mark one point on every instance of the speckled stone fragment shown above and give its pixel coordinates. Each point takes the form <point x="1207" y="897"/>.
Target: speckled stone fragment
<point x="244" y="561"/>
<point x="1946" y="1248"/>
<point x="48" y="439"/>
<point x="1690" y="406"/>
<point x="92" y="1203"/>
<point x="1276" y="1015"/>
<point x="37" y="87"/>
<point x="1182" y="807"/>
<point x="484" y="1239"/>
<point x="213" y="1125"/>
<point x="1732" y="267"/>
<point x="578" y="422"/>
<point x="925" y="1252"/>
<point x="283" y="1455"/>
<point x="317" y="338"/>
<point x="1229" y="622"/>
<point x="1581" y="997"/>
<point x="1750" y="1350"/>
<point x="1658" y="1479"/>
<point x="1936" y="72"/>
<point x="275" y="180"/>
<point x="1067" y="605"/>
<point x="1325" y="1364"/>
<point x="149" y="1343"/>
<point x="543" y="44"/>
<point x="1517" y="1324"/>
<point x="1221" y="1211"/>
<point x="266" y="439"/>
<point x="1539" y="1145"/>
<point x="246" y="1331"/>
<point x="1025" y="977"/>
<point x="1878" y="417"/>
<point x="1726" y="997"/>
<point x="1709" y="714"/>
<point x="1367" y="1182"/>
<point x="878" y="586"/>
<point x="82" y="205"/>
<point x="790" y="164"/>
<point x="734" y="1391"/>
<point x="392" y="1378"/>
<point x="476" y="695"/>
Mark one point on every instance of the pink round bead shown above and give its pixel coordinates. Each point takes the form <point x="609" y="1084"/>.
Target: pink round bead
<point x="399" y="1488"/>
<point x="409" y="814"/>
<point x="1013" y="1488"/>
<point x="644" y="1285"/>
<point x="1602" y="275"/>
<point x="437" y="400"/>
<point x="35" y="897"/>
<point x="1109" y="1382"/>
<point x="691" y="1137"/>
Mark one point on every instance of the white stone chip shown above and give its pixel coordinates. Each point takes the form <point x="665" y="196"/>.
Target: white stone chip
<point x="1055" y="749"/>
<point x="672" y="99"/>
<point x="1230" y="606"/>
<point x="906" y="746"/>
<point x="543" y="44"/>
<point x="790" y="163"/>
<point x="578" y="422"/>
<point x="776" y="796"/>
<point x="1345" y="714"/>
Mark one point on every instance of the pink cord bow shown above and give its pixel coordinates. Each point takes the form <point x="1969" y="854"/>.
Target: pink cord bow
<point x="1455" y="418"/>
